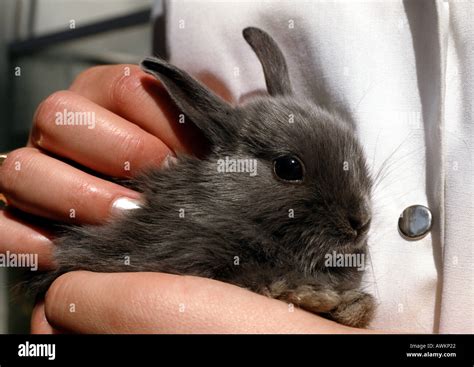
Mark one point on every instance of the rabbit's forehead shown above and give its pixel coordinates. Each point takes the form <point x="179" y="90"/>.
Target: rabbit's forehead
<point x="288" y="115"/>
<point x="284" y="124"/>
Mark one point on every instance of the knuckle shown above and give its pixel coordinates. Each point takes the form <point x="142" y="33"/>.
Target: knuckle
<point x="133" y="147"/>
<point x="12" y="168"/>
<point x="126" y="82"/>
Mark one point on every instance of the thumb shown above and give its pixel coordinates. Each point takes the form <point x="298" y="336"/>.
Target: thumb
<point x="87" y="302"/>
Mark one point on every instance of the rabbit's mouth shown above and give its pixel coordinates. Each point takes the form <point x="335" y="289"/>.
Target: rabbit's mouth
<point x="352" y="255"/>
<point x="360" y="243"/>
<point x="356" y="239"/>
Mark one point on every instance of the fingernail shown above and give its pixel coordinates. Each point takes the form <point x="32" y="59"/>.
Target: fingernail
<point x="123" y="204"/>
<point x="169" y="161"/>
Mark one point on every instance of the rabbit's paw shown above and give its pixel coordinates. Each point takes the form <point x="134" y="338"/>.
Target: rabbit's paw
<point x="356" y="309"/>
<point x="313" y="298"/>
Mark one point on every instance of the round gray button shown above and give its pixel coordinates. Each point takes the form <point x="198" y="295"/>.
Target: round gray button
<point x="415" y="222"/>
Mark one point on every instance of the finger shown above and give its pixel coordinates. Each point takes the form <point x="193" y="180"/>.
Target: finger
<point x="140" y="98"/>
<point x="73" y="127"/>
<point x="164" y="303"/>
<point x="19" y="237"/>
<point x="44" y="186"/>
<point x="39" y="323"/>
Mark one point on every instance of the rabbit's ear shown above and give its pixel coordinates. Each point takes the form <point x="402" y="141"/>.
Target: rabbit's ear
<point x="207" y="111"/>
<point x="272" y="60"/>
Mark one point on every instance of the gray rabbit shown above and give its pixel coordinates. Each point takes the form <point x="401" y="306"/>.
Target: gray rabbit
<point x="269" y="231"/>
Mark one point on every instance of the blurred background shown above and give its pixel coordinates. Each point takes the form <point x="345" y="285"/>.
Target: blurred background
<point x="44" y="44"/>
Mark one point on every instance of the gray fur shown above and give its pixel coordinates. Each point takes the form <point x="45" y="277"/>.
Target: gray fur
<point x="236" y="217"/>
<point x="273" y="62"/>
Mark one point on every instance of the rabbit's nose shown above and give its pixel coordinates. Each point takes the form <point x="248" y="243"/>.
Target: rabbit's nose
<point x="360" y="223"/>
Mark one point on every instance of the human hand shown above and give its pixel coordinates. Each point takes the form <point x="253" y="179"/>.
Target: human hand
<point x="135" y="127"/>
<point x="86" y="302"/>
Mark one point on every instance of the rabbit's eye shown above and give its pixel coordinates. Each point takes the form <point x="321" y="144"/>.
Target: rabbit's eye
<point x="288" y="168"/>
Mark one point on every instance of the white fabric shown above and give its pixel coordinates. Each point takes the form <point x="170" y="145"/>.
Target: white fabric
<point x="404" y="70"/>
<point x="457" y="311"/>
